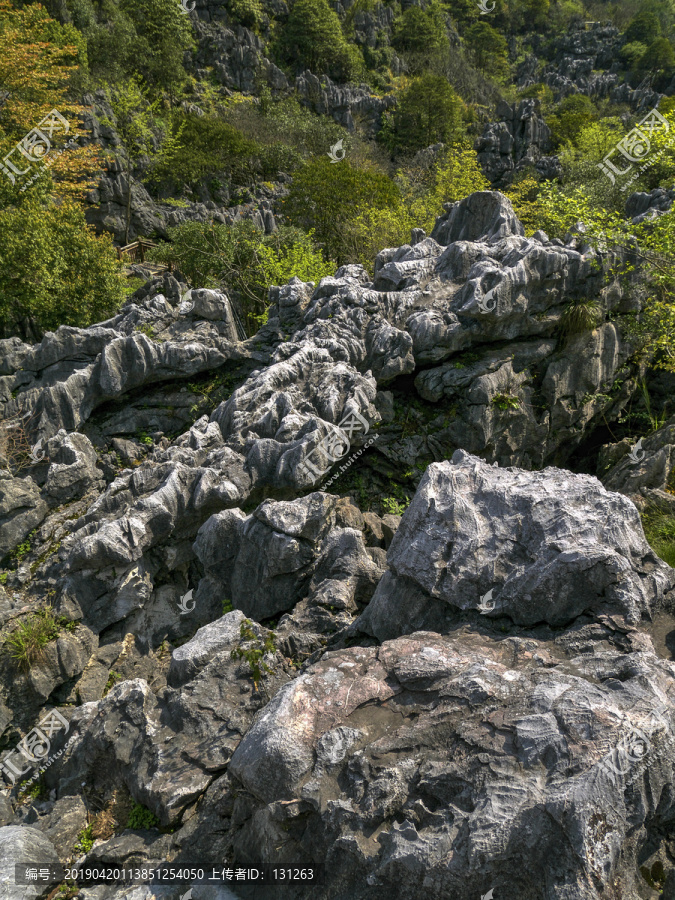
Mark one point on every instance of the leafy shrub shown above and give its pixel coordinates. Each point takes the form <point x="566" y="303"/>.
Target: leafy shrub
<point x="255" y="652"/>
<point x="454" y="175"/>
<point x="248" y="13"/>
<point x="420" y="35"/>
<point x="287" y="129"/>
<point x="141" y="818"/>
<point x="326" y="196"/>
<point x="113" y="678"/>
<point x="632" y="53"/>
<point x="489" y="48"/>
<point x="37" y="790"/>
<point x="209" y="146"/>
<point x="85" y="841"/>
<point x="54" y="270"/>
<point x="242" y="259"/>
<point x="428" y="111"/>
<point x="570" y="117"/>
<point x="394" y="507"/>
<point x="135" y="37"/>
<point x="505" y="401"/>
<point x="313" y="39"/>
<point x="644" y="27"/>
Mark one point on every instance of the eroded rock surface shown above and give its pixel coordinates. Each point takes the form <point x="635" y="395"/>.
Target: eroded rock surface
<point x="462" y="692"/>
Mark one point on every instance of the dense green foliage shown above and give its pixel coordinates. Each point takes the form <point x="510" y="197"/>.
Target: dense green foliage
<point x="188" y="139"/>
<point x="53" y="270"/>
<point x="313" y="39"/>
<point x="243" y="261"/>
<point x="428" y="111"/>
<point x="147" y="38"/>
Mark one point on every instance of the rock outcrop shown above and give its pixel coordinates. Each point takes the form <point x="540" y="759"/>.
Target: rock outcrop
<point x="281" y="677"/>
<point x="518" y="140"/>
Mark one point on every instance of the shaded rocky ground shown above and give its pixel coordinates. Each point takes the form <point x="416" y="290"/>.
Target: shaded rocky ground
<point x="253" y="669"/>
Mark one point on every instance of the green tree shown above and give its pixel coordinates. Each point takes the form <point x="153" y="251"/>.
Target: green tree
<point x="110" y="36"/>
<point x="242" y="260"/>
<point x="428" y="111"/>
<point x="644" y="27"/>
<point x="489" y="48"/>
<point x="163" y="34"/>
<point x="313" y="39"/>
<point x="463" y="12"/>
<point x="659" y="58"/>
<point x="248" y="13"/>
<point x="54" y="270"/>
<point x="134" y="121"/>
<point x="526" y="15"/>
<point x="207" y="147"/>
<point x="571" y="115"/>
<point x="632" y="53"/>
<point x="328" y="196"/>
<point x="420" y="35"/>
<point x="147" y="38"/>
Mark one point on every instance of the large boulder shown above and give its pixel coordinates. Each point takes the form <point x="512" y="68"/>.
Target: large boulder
<point x="536" y="547"/>
<point x="483" y="216"/>
<point x="416" y="767"/>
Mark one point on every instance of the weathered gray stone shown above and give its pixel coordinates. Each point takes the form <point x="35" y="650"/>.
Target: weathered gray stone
<point x="188" y="659"/>
<point x="22" y="509"/>
<point x="72" y="467"/>
<point x="19" y="845"/>
<point x="452" y="749"/>
<point x="546" y="548"/>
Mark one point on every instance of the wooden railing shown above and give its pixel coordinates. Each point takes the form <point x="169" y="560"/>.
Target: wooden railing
<point x="135" y="251"/>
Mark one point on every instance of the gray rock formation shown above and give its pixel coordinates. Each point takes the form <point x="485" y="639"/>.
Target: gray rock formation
<point x="343" y="102"/>
<point x="519" y="139"/>
<point x="643" y="469"/>
<point x="641" y="206"/>
<point x="547" y="550"/>
<point x="459" y="754"/>
<point x="16" y="846"/>
<point x="457" y="693"/>
<point x="21" y="510"/>
<point x="149" y="217"/>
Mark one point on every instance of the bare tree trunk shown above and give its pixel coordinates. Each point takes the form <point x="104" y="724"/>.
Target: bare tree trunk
<point x="126" y="233"/>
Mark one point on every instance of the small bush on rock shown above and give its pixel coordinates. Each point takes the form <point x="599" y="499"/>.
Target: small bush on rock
<point x="26" y="645"/>
<point x="255" y="651"/>
<point x="141" y="818"/>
